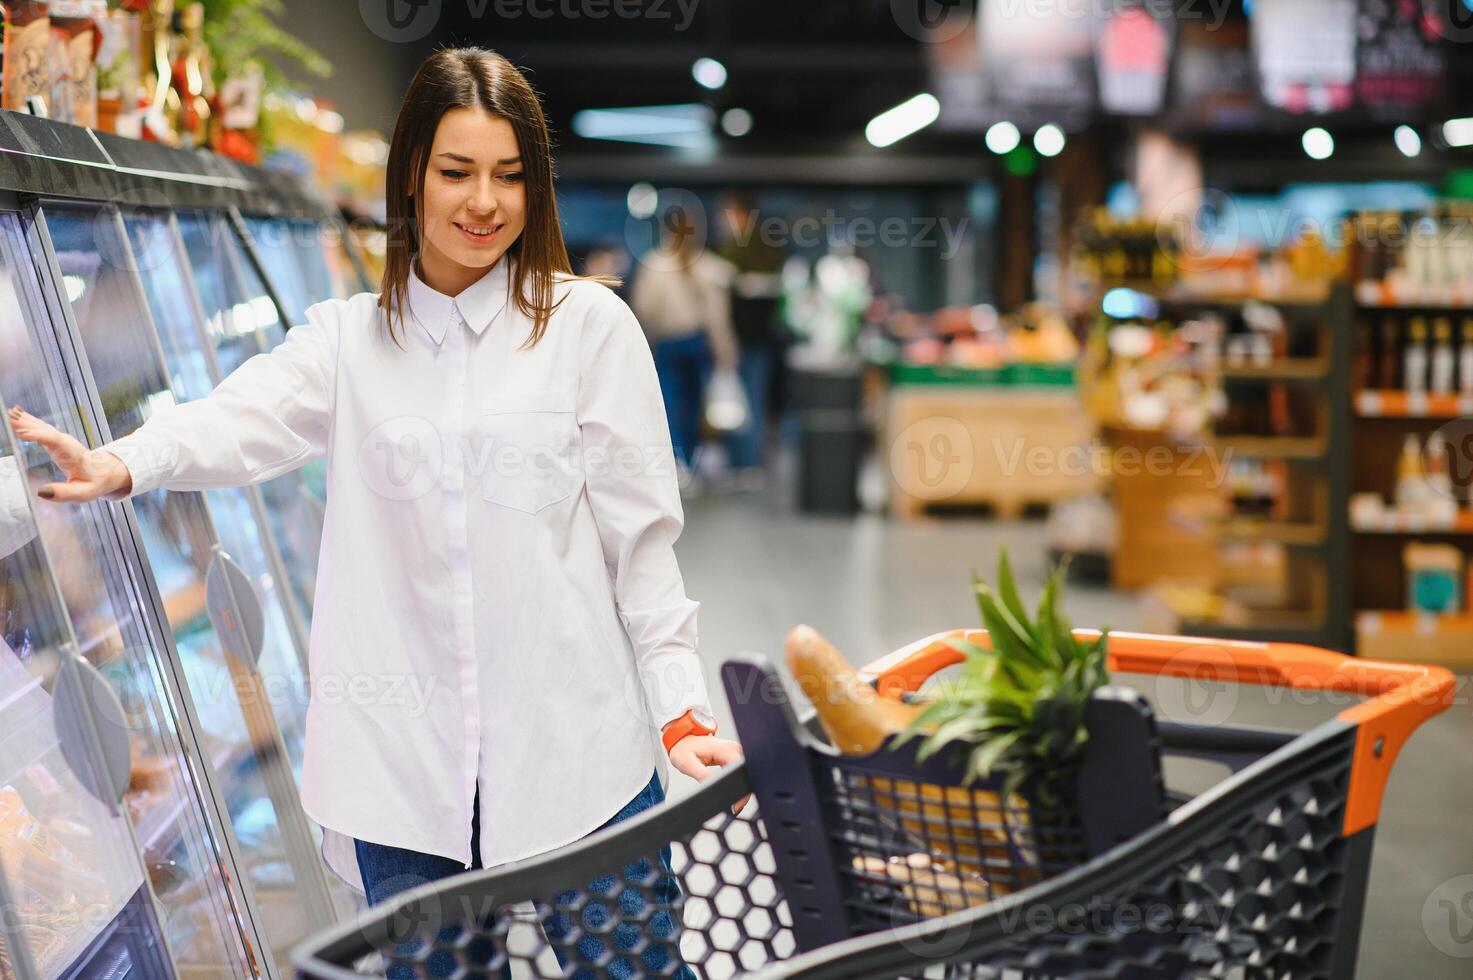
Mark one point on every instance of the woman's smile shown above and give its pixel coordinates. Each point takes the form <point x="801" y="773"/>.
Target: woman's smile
<point x="480" y="233"/>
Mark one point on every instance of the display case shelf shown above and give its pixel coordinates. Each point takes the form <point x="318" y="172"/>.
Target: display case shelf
<point x="1291" y="533"/>
<point x="1371" y="403"/>
<point x="1274" y="447"/>
<point x="1392" y="523"/>
<point x="1417" y="636"/>
<point x="1279" y="369"/>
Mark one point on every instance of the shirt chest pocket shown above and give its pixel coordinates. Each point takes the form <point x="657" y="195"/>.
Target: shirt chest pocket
<point x="530" y="441"/>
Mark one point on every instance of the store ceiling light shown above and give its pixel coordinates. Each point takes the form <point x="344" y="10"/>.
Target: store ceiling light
<point x="1049" y="141"/>
<point x="642" y="200"/>
<point x="1318" y="143"/>
<point x="736" y="122"/>
<point x="688" y="126"/>
<point x="909" y="117"/>
<point x="709" y="72"/>
<point x="1002" y="138"/>
<point x="1458" y="132"/>
<point x="1408" y="141"/>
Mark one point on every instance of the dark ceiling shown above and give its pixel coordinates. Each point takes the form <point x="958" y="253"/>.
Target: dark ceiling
<point x="811" y="72"/>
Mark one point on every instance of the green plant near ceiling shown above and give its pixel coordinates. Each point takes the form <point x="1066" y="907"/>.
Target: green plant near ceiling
<point x="241" y="31"/>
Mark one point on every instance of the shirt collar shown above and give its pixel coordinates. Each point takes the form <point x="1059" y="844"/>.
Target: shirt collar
<point x="478" y="304"/>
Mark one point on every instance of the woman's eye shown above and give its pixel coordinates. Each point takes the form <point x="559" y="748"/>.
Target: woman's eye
<point x="453" y="174"/>
<point x="513" y="177"/>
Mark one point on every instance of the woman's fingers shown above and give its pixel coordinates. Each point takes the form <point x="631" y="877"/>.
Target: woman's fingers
<point x="720" y="752"/>
<point x="76" y="492"/>
<point x="65" y="451"/>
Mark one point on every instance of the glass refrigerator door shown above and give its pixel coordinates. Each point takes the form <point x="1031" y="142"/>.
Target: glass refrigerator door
<point x="102" y="600"/>
<point x="344" y="263"/>
<point x="234" y="706"/>
<point x="238" y="513"/>
<point x="69" y="866"/>
<point x="299" y="280"/>
<point x="242" y="321"/>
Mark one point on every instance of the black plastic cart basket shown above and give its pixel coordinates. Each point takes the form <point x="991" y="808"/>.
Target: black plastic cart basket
<point x="877" y="866"/>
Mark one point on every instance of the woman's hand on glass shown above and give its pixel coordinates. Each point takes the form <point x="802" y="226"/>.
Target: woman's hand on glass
<point x="90" y="473"/>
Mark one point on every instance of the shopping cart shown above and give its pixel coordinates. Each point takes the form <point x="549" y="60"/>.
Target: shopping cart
<point x="878" y="866"/>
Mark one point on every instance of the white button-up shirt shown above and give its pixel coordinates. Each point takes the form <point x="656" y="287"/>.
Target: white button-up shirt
<point x="497" y="594"/>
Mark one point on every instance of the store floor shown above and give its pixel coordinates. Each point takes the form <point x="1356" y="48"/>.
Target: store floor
<point x="870" y="585"/>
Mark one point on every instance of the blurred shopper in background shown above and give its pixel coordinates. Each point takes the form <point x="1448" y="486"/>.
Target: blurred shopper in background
<point x="755" y="292"/>
<point x="682" y="297"/>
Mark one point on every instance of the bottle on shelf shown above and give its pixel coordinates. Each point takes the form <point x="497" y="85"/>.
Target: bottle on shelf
<point x="27" y="54"/>
<point x="1444" y="360"/>
<point x="190" y="76"/>
<point x="1411" y="485"/>
<point x="1388" y="374"/>
<point x="118" y="80"/>
<point x="1440" y="506"/>
<point x="1414" y="360"/>
<point x="1363" y="366"/>
<point x="1465" y="359"/>
<point x="74" y="33"/>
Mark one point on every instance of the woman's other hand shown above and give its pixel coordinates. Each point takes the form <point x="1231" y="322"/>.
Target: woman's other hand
<point x="699" y="756"/>
<point x="90" y="473"/>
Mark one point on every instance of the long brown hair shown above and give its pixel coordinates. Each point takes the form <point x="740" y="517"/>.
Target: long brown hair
<point x="465" y="78"/>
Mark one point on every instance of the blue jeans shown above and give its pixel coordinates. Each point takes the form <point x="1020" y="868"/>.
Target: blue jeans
<point x="745" y="446"/>
<point x="684" y="367"/>
<point x="387" y="871"/>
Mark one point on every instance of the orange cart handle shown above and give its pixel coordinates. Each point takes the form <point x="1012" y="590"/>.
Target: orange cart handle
<point x="1403" y="696"/>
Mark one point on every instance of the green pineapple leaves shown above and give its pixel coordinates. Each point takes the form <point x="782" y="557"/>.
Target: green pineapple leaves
<point x="1018" y="702"/>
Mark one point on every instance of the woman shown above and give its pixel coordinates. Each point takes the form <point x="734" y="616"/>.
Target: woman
<point x="682" y="296"/>
<point x="501" y="513"/>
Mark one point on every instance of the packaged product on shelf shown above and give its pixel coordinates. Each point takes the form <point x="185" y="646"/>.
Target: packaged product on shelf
<point x="1414" y="360"/>
<point x="27" y="54"/>
<point x="1434" y="575"/>
<point x="118" y="81"/>
<point x="74" y="36"/>
<point x="240" y="115"/>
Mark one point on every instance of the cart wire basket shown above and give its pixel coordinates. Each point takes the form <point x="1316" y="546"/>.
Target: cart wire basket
<point x="880" y="866"/>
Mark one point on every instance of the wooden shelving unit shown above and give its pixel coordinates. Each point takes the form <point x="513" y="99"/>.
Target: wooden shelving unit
<point x="1304" y="596"/>
<point x="1376" y="584"/>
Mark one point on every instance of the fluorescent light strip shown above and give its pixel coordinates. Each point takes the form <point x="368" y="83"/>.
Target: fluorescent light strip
<point x="1458" y="132"/>
<point x="911" y="116"/>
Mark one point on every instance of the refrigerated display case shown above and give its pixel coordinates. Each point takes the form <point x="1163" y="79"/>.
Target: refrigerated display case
<point x="100" y="608"/>
<point x="236" y="679"/>
<point x="192" y="608"/>
<point x="71" y="878"/>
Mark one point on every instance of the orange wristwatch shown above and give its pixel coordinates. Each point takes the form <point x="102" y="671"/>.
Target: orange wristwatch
<point x="696" y="721"/>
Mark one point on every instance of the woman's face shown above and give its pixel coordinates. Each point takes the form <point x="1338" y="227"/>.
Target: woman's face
<point x="475" y="197"/>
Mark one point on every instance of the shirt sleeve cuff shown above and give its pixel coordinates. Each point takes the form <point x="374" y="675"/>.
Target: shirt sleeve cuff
<point x="674" y="684"/>
<point x="149" y="463"/>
